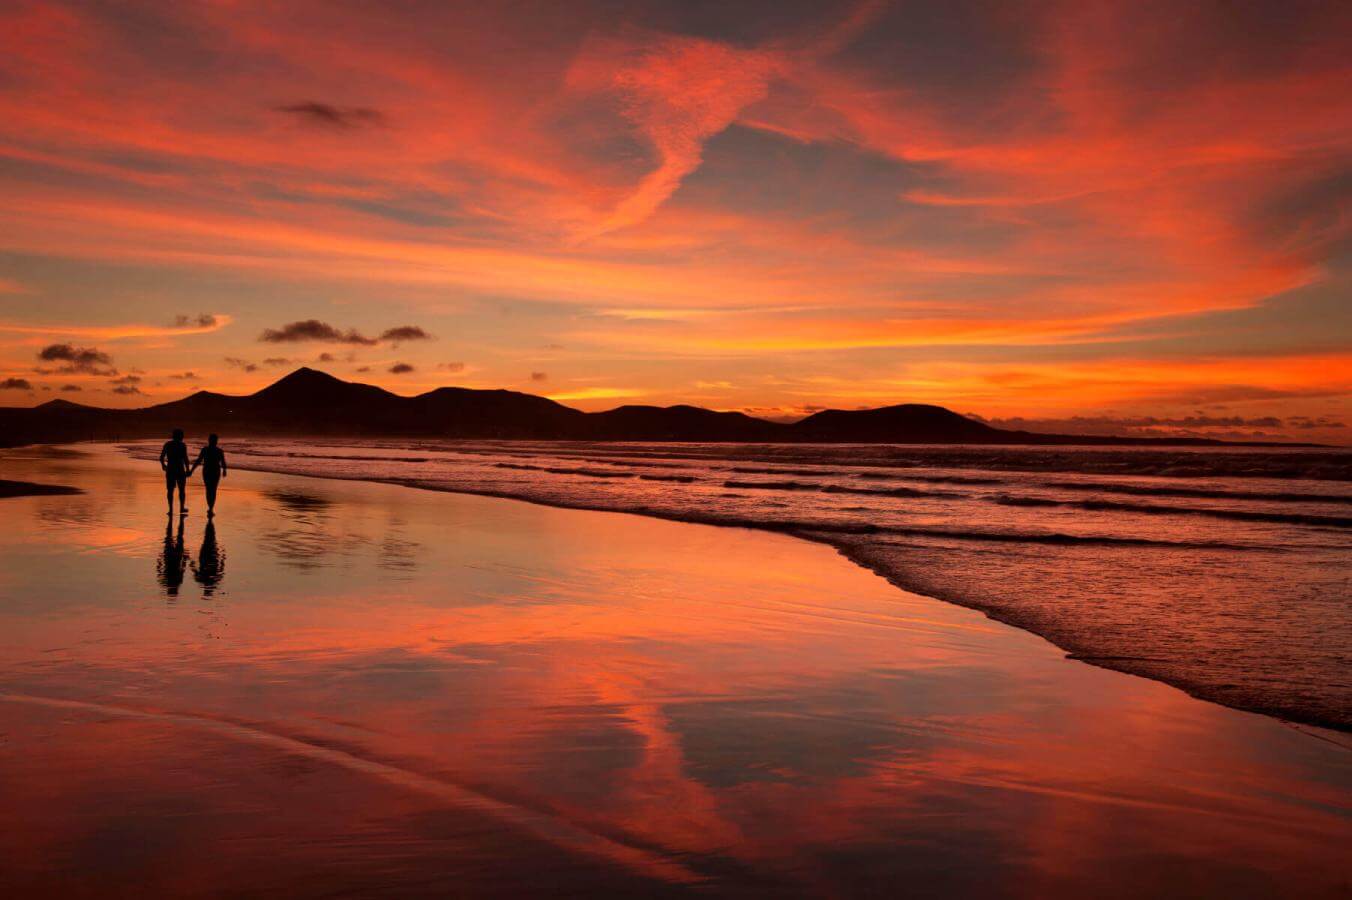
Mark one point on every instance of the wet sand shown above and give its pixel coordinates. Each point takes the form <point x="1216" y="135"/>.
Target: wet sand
<point x="29" y="489"/>
<point x="342" y="687"/>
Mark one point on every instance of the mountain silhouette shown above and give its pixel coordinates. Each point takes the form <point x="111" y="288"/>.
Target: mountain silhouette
<point x="309" y="402"/>
<point x="909" y="423"/>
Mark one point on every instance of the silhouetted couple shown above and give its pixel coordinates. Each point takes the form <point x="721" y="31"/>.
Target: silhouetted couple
<point x="177" y="470"/>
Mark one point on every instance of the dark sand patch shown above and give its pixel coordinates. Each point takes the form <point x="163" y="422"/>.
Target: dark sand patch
<point x="29" y="489"/>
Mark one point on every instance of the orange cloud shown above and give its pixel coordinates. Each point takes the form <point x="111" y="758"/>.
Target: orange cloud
<point x="677" y="92"/>
<point x="120" y="332"/>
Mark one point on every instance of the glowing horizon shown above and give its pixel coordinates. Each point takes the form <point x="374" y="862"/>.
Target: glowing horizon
<point x="1094" y="216"/>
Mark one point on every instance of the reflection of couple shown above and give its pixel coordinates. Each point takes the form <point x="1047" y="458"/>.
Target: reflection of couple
<point x="177" y="470"/>
<point x="208" y="570"/>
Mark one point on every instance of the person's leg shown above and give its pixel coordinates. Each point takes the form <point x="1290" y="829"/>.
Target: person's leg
<point x="211" y="485"/>
<point x="183" y="493"/>
<point x="169" y="490"/>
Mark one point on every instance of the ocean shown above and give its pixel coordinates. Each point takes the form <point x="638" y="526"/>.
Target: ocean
<point x="1226" y="572"/>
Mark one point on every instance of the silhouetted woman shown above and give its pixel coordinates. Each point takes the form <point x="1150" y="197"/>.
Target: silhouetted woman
<point x="212" y="460"/>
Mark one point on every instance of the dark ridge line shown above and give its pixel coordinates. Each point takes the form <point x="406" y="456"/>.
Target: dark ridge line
<point x="888" y="492"/>
<point x="772" y="485"/>
<point x="247" y="451"/>
<point x="1239" y="515"/>
<point x="1197" y="493"/>
<point x="941" y="479"/>
<point x="751" y="470"/>
<point x="835" y="489"/>
<point x="1057" y="537"/>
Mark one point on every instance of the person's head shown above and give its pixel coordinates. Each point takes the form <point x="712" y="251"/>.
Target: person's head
<point x="211" y="439"/>
<point x="178" y="434"/>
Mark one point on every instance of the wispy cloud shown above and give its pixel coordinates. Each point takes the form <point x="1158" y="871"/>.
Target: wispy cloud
<point x="199" y="322"/>
<point x="313" y="330"/>
<point x="205" y="323"/>
<point x="84" y="360"/>
<point x="330" y="116"/>
<point x="404" y="333"/>
<point x="596" y="393"/>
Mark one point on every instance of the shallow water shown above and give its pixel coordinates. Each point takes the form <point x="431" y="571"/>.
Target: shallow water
<point x="360" y="688"/>
<point x="1227" y="572"/>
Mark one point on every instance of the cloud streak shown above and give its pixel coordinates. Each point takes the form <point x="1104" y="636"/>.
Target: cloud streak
<point x="322" y="332"/>
<point x="405" y="333"/>
<point x="327" y="115"/>
<point x="83" y="360"/>
<point x="313" y="330"/>
<point x="203" y="323"/>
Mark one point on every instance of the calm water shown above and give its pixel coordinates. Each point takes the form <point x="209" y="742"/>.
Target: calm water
<point x="351" y="688"/>
<point x="1225" y="572"/>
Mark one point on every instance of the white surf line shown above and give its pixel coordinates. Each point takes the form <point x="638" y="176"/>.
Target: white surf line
<point x="550" y="828"/>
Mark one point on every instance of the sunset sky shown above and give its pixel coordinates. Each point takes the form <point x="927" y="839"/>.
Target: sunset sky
<point x="1122" y="217"/>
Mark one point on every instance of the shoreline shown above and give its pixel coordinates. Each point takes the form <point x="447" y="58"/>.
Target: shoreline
<point x="1072" y="650"/>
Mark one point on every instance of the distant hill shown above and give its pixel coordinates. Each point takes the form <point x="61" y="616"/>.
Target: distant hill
<point x="909" y="423"/>
<point x="308" y="402"/>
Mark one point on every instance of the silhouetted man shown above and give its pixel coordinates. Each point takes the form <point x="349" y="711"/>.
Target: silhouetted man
<point x="174" y="462"/>
<point x="212" y="460"/>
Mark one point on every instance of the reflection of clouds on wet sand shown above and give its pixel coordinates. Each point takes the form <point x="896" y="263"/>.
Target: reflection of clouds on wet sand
<point x="298" y="503"/>
<point x="301" y="536"/>
<point x="306" y="533"/>
<point x="398" y="551"/>
<point x="750" y="707"/>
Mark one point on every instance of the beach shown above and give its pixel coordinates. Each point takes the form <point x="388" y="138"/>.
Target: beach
<point x="344" y="686"/>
